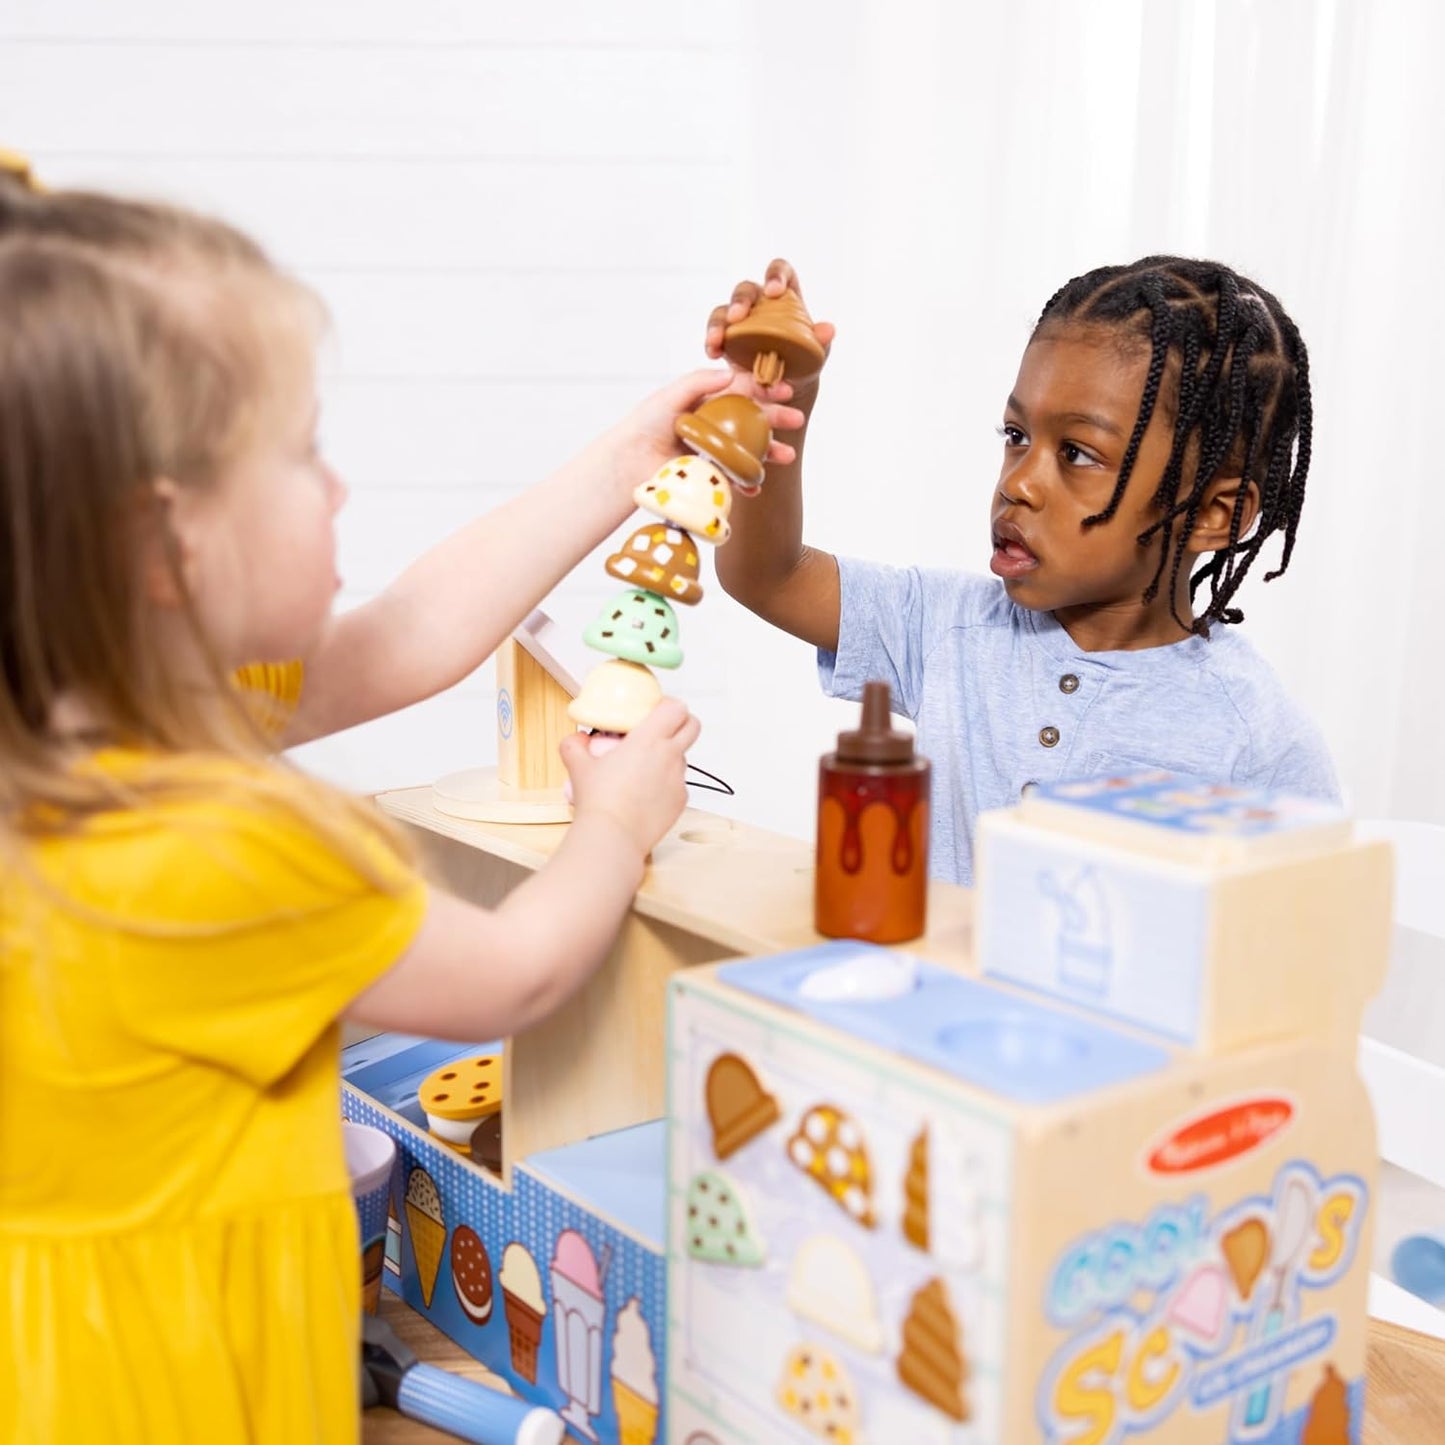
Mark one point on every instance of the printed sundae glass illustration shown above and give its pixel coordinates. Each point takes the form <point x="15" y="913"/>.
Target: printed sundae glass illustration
<point x="634" y="1377"/>
<point x="1083" y="943"/>
<point x="577" y="1314"/>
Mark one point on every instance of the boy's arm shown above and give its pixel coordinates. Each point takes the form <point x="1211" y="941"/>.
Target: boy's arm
<point x="451" y="609"/>
<point x="766" y="565"/>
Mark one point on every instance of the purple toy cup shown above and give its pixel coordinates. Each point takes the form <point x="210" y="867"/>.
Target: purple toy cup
<point x="370" y="1160"/>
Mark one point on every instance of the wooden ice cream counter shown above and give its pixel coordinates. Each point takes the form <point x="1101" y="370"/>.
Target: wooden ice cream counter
<point x="1094" y="1165"/>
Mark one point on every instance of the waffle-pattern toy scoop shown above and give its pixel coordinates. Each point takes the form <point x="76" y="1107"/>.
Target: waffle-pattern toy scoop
<point x="776" y="340"/>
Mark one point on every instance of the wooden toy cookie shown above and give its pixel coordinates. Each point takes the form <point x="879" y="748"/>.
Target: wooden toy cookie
<point x="459" y="1095"/>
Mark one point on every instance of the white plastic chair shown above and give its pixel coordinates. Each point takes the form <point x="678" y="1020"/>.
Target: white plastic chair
<point x="1402" y="1055"/>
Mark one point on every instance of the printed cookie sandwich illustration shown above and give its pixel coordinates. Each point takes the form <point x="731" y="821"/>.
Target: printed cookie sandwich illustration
<point x="1246" y="1248"/>
<point x="718" y="1227"/>
<point x="828" y="1147"/>
<point x="525" y="1308"/>
<point x="737" y="1106"/>
<point x="428" y="1228"/>
<point x="634" y="1377"/>
<point x="814" y="1389"/>
<point x="829" y="1285"/>
<point x="471" y="1274"/>
<point x="931" y="1361"/>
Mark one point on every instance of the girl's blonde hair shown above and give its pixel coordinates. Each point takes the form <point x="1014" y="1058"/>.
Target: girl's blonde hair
<point x="140" y="341"/>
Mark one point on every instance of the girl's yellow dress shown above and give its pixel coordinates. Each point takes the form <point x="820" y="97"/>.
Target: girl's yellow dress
<point x="178" y="1244"/>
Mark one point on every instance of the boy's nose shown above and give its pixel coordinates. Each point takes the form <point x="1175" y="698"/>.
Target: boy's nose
<point x="1021" y="486"/>
<point x="339" y="490"/>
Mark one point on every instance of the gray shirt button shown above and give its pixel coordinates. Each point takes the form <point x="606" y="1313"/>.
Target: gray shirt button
<point x="1068" y="683"/>
<point x="1049" y="737"/>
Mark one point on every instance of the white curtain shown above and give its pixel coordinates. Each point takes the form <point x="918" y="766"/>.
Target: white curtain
<point x="936" y="169"/>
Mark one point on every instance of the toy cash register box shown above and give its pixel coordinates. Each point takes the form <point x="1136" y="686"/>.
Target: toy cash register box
<point x="1115" y="1185"/>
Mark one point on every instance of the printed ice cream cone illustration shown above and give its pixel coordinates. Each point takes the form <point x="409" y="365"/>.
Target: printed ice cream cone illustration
<point x="371" y="1263"/>
<point x="1246" y="1248"/>
<point x="428" y="1228"/>
<point x="526" y="1309"/>
<point x="634" y="1378"/>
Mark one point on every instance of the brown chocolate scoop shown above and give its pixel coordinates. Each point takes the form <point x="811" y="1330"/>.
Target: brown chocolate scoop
<point x="776" y="339"/>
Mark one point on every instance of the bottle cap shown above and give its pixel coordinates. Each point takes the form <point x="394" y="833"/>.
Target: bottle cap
<point x="876" y="739"/>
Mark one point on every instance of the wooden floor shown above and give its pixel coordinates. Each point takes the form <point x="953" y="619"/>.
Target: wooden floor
<point x="1405" y="1375"/>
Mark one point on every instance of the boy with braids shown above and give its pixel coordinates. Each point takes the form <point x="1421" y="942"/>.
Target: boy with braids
<point x="1157" y="436"/>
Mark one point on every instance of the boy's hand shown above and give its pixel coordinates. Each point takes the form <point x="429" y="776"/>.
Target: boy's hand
<point x="640" y="784"/>
<point x="644" y="439"/>
<point x="780" y="277"/>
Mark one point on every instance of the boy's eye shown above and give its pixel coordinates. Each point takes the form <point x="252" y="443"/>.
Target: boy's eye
<point x="1076" y="456"/>
<point x="1012" y="435"/>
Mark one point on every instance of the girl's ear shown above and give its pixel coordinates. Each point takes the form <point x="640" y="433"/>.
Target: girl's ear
<point x="165" y="552"/>
<point x="1211" y="527"/>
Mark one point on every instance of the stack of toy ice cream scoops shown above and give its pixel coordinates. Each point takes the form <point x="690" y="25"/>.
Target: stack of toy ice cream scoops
<point x="691" y="499"/>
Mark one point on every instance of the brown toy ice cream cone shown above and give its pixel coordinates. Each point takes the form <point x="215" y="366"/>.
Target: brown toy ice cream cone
<point x="776" y="341"/>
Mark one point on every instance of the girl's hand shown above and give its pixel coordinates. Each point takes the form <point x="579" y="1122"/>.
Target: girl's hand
<point x="780" y="277"/>
<point x="640" y="784"/>
<point x="644" y="439"/>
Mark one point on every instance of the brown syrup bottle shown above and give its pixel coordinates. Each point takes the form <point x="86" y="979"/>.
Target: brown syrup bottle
<point x="872" y="876"/>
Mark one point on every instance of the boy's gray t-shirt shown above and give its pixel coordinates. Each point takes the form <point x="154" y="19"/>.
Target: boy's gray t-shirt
<point x="1002" y="697"/>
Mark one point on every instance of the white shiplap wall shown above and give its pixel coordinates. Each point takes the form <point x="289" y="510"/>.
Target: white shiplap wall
<point x="521" y="215"/>
<point x="512" y="212"/>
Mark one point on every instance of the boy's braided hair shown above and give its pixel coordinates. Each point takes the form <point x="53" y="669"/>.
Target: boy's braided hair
<point x="1228" y="363"/>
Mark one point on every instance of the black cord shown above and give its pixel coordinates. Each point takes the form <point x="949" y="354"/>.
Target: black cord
<point x="715" y="786"/>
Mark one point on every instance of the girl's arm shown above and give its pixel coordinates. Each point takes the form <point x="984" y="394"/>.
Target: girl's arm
<point x="477" y="973"/>
<point x="449" y="611"/>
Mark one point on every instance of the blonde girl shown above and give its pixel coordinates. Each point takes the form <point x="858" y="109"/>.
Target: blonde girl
<point x="183" y="920"/>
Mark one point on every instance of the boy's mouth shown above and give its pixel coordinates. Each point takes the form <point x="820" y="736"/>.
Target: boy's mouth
<point x="1012" y="556"/>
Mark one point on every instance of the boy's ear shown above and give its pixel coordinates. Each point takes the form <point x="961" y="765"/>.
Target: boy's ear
<point x="1211" y="527"/>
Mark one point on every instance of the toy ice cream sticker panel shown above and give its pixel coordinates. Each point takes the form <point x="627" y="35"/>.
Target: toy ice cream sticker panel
<point x="1188" y="1314"/>
<point x="838" y="1240"/>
